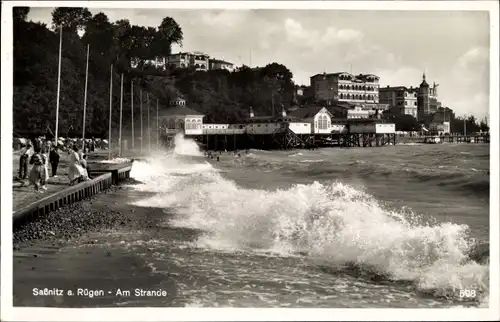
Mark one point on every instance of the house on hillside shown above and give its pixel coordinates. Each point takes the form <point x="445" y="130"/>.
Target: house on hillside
<point x="178" y="118"/>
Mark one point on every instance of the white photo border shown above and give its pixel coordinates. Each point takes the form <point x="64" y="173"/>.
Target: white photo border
<point x="10" y="313"/>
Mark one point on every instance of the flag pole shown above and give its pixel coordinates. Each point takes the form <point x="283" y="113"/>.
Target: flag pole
<point x="157" y="127"/>
<point x="110" y="109"/>
<point x="58" y="84"/>
<point x="132" y="102"/>
<point x="85" y="99"/>
<point x="142" y="140"/>
<point x="149" y="126"/>
<point x="121" y="114"/>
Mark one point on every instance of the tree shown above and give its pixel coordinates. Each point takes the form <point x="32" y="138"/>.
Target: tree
<point x="483" y="125"/>
<point x="221" y="95"/>
<point x="72" y="19"/>
<point x="169" y="32"/>
<point x="20" y="13"/>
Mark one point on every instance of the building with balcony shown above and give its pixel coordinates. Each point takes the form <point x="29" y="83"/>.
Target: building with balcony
<point x="221" y="64"/>
<point x="362" y="90"/>
<point x="197" y="60"/>
<point x="400" y="99"/>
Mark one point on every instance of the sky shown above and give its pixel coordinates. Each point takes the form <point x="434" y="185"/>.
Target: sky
<point x="451" y="47"/>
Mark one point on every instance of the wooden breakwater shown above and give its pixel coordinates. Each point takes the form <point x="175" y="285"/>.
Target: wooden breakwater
<point x="108" y="175"/>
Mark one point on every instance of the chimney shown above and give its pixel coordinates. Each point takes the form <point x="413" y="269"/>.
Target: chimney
<point x="251" y="112"/>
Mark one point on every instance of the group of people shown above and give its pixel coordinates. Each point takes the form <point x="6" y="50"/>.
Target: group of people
<point x="39" y="155"/>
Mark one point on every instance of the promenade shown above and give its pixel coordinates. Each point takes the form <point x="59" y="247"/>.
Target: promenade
<point x="28" y="204"/>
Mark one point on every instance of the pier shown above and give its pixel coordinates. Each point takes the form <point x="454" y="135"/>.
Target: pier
<point x="283" y="135"/>
<point x="472" y="138"/>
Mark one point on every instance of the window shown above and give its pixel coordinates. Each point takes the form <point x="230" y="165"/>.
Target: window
<point x="322" y="123"/>
<point x="414" y="103"/>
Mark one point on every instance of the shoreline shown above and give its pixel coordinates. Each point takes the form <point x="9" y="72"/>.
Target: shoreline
<point x="52" y="253"/>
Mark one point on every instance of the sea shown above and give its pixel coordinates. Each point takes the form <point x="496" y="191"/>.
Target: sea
<point x="404" y="226"/>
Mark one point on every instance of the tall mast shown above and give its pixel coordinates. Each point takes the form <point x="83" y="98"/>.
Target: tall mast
<point x="85" y="99"/>
<point x="142" y="137"/>
<point x="58" y="84"/>
<point x="157" y="127"/>
<point x="132" y="104"/>
<point x="149" y="123"/>
<point x="110" y="111"/>
<point x="121" y="115"/>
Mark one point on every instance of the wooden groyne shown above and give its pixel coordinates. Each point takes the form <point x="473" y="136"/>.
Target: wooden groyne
<point x="108" y="175"/>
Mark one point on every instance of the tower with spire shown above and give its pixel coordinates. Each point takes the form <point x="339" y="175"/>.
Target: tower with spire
<point x="423" y="106"/>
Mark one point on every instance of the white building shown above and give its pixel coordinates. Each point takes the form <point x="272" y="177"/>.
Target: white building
<point x="221" y="64"/>
<point x="179" y="118"/>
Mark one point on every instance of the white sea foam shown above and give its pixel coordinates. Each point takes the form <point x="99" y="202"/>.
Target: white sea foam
<point x="115" y="160"/>
<point x="334" y="223"/>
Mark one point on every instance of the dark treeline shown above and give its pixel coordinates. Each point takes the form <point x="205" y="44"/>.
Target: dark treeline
<point x="221" y="95"/>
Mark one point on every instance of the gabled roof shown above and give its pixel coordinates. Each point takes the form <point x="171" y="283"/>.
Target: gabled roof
<point x="307" y="112"/>
<point x="178" y="111"/>
<point x="219" y="61"/>
<point x="332" y="74"/>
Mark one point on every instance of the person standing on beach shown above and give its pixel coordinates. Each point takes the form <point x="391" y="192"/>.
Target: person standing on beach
<point x="37" y="173"/>
<point x="45" y="155"/>
<point x="54" y="160"/>
<point x="75" y="170"/>
<point x="26" y="153"/>
<point x="85" y="166"/>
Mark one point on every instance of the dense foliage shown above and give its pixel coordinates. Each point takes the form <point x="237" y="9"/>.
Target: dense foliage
<point x="221" y="95"/>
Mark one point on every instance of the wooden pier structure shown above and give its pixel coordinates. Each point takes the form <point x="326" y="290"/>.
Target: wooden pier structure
<point x="226" y="137"/>
<point x="310" y="127"/>
<point x="470" y="138"/>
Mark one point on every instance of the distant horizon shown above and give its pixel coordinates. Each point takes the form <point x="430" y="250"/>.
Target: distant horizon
<point x="451" y="47"/>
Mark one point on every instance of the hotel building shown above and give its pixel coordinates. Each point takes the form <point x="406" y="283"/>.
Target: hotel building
<point x="360" y="90"/>
<point x="400" y="99"/>
<point x="198" y="60"/>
